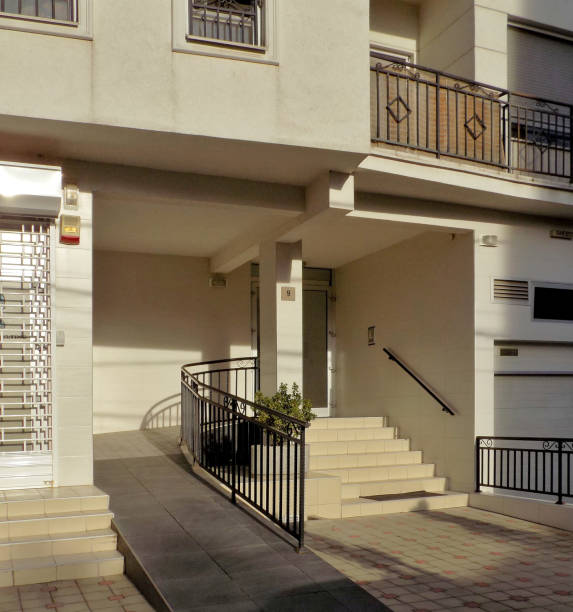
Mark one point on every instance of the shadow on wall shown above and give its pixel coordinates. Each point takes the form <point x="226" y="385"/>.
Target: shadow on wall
<point x="165" y="413"/>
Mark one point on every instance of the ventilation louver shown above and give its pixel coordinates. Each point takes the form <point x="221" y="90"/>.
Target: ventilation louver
<point x="505" y="289"/>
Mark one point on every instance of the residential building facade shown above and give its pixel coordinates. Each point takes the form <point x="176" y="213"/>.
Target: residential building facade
<point x="306" y="181"/>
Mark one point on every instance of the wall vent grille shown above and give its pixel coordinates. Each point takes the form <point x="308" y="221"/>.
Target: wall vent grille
<point x="507" y="289"/>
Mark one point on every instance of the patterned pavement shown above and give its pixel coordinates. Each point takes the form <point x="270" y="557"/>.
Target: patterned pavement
<point x="113" y="593"/>
<point x="451" y="560"/>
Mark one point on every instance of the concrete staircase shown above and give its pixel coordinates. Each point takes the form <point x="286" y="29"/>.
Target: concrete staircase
<point x="56" y="534"/>
<point x="355" y="458"/>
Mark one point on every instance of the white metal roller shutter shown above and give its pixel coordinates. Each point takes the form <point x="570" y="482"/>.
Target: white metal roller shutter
<point x="25" y="356"/>
<point x="539" y="403"/>
<point x="540" y="65"/>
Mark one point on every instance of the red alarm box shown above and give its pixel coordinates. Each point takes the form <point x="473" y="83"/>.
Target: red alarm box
<point x="69" y="229"/>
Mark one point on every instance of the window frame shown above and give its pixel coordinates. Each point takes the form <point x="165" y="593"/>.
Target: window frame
<point x="260" y="17"/>
<point x="548" y="285"/>
<point x="185" y="42"/>
<point x="81" y="28"/>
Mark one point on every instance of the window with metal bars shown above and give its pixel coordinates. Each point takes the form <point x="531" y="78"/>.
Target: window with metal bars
<point x="53" y="10"/>
<point x="234" y="22"/>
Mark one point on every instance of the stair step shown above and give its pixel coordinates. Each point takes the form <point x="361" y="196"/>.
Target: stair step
<point x="51" y="524"/>
<point x="348" y="447"/>
<point x="344" y="434"/>
<point x="51" y="501"/>
<point x="362" y="507"/>
<point x="381" y="473"/>
<point x="388" y="487"/>
<point x="331" y="462"/>
<point x="60" y="567"/>
<point x="348" y="422"/>
<point x="81" y="542"/>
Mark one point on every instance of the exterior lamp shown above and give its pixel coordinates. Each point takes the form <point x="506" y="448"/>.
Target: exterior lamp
<point x="488" y="240"/>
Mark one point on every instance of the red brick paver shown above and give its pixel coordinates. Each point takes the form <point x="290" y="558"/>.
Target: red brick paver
<point x="455" y="559"/>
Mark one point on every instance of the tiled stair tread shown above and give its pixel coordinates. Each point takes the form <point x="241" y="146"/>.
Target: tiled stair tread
<point x="372" y="456"/>
<point x="355" y="430"/>
<point x="354" y="422"/>
<point x="361" y="468"/>
<point x="396" y="481"/>
<point x="352" y="444"/>
<point x="77" y="535"/>
<point x="409" y="495"/>
<point x="58" y="515"/>
<point x="21" y="495"/>
<point x="59" y="560"/>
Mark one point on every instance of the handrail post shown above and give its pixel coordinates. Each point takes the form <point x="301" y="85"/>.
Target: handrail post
<point x="478" y="471"/>
<point x="234" y="407"/>
<point x="302" y="487"/>
<point x="571" y="144"/>
<point x="508" y="138"/>
<point x="438" y="109"/>
<point x="559" y="472"/>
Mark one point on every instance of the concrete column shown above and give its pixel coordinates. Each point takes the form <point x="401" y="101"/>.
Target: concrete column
<point x="280" y="315"/>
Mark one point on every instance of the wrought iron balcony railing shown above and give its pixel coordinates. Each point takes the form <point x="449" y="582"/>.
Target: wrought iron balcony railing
<point x="52" y="10"/>
<point x="442" y="114"/>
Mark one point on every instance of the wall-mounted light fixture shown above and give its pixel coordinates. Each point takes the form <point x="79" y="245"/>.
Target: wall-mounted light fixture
<point x="71" y="197"/>
<point x="488" y="240"/>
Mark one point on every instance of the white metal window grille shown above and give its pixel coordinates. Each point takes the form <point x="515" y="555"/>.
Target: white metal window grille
<point x="236" y="22"/>
<point x="507" y="289"/>
<point x="56" y="10"/>
<point x="25" y="340"/>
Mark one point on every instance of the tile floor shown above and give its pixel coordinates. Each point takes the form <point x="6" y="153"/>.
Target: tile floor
<point x="451" y="560"/>
<point x="109" y="594"/>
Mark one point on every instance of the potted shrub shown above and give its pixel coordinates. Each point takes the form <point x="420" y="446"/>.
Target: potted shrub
<point x="290" y="403"/>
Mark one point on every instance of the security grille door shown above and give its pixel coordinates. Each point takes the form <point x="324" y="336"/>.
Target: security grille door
<point x="25" y="356"/>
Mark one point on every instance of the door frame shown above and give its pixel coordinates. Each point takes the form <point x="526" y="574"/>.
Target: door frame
<point x="328" y="288"/>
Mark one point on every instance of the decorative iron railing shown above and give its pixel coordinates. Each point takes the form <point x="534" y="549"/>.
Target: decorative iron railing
<point x="226" y="433"/>
<point x="227" y="21"/>
<point x="443" y="114"/>
<point x="59" y="10"/>
<point x="534" y="465"/>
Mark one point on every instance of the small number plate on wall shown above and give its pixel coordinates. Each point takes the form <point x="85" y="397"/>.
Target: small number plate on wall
<point x="288" y="294"/>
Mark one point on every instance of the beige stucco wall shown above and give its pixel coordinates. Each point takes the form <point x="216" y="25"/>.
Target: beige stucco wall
<point x="394" y="25"/>
<point x="525" y="252"/>
<point x="419" y="295"/>
<point x="73" y="457"/>
<point x="152" y="314"/>
<point x="128" y="75"/>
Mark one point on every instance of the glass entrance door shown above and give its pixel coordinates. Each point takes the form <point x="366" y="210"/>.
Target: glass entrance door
<point x="315" y="348"/>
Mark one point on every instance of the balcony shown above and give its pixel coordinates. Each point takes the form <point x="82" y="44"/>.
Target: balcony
<point x="441" y="114"/>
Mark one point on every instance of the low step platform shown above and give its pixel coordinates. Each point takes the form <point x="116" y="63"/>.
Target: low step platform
<point x="362" y="506"/>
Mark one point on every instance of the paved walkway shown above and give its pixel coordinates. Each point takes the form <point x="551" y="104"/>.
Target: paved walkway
<point x="110" y="594"/>
<point x="451" y="560"/>
<point x="203" y="552"/>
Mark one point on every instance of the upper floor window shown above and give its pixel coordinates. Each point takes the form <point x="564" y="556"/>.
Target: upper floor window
<point x="227" y="22"/>
<point x="54" y="10"/>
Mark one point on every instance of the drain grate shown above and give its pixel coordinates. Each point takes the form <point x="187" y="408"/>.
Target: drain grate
<point x="411" y="495"/>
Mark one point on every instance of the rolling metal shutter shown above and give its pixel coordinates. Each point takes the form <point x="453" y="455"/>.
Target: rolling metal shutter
<point x="25" y="356"/>
<point x="540" y="65"/>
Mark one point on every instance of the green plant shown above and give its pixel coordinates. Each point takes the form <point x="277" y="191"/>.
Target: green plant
<point x="291" y="404"/>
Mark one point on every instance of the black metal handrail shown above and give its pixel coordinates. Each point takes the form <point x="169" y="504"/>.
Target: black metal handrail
<point x="393" y="357"/>
<point x="444" y="114"/>
<point x="533" y="465"/>
<point x="221" y="425"/>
